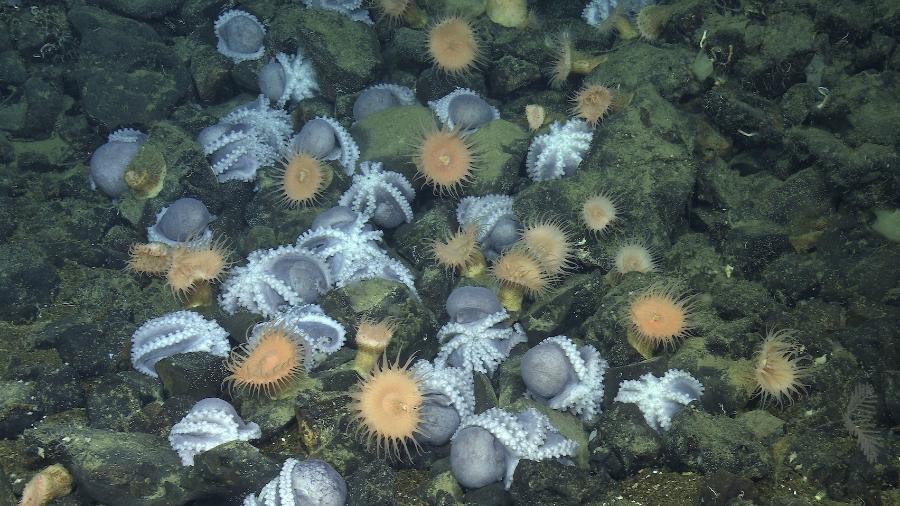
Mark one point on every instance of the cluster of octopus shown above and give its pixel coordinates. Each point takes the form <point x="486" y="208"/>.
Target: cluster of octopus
<point x="428" y="403"/>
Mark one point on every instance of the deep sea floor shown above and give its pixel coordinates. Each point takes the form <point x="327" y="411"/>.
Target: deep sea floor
<point x="438" y="252"/>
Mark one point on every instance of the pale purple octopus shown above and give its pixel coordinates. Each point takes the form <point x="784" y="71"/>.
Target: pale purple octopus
<point x="240" y="35"/>
<point x="178" y="332"/>
<point x="208" y="424"/>
<point x="251" y="136"/>
<point x="325" y="139"/>
<point x="353" y="9"/>
<point x="379" y="97"/>
<point x="309" y="482"/>
<point x="659" y="399"/>
<point x="449" y="399"/>
<point x="488" y="446"/>
<point x="477" y="337"/>
<point x="464" y="109"/>
<point x="274" y="279"/>
<point x="288" y="78"/>
<point x="382" y="196"/>
<point x="322" y="335"/>
<point x="560" y="151"/>
<point x="497" y="227"/>
<point x="182" y="221"/>
<point x="564" y="377"/>
<point x="109" y="161"/>
<point x="350" y="246"/>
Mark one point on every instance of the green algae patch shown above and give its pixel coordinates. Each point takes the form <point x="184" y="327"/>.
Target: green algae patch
<point x="887" y="223"/>
<point x="146" y="173"/>
<point x="501" y="147"/>
<point x="391" y="136"/>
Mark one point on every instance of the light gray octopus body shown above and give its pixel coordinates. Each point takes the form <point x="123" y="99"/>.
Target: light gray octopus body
<point x="240" y="35"/>
<point x="287" y="78"/>
<point x="251" y="136"/>
<point x="307" y="482"/>
<point x="564" y="377"/>
<point x="488" y="446"/>
<point x="464" y="110"/>
<point x="178" y="332"/>
<point x="379" y="97"/>
<point x="384" y="196"/>
<point x="477" y="336"/>
<point x="449" y="398"/>
<point x="559" y="152"/>
<point x="324" y="138"/>
<point x="109" y="161"/>
<point x="275" y="279"/>
<point x="208" y="424"/>
<point x="496" y="226"/>
<point x="184" y="220"/>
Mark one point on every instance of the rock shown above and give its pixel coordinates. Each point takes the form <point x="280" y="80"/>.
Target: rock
<point x="413" y="240"/>
<point x="128" y="469"/>
<point x="667" y="70"/>
<point x="35" y="115"/>
<point x="624" y="442"/>
<point x="775" y="54"/>
<point x="750" y="245"/>
<point x="550" y="481"/>
<point x="196" y="375"/>
<point x="235" y="468"/>
<point x="346" y="53"/>
<point x="372" y="483"/>
<point x="12" y="69"/>
<point x="443" y="490"/>
<point x="117" y="397"/>
<point x="721" y="487"/>
<point x="407" y="46"/>
<point x="706" y="443"/>
<point x="380" y="299"/>
<point x="27" y="282"/>
<point x="490" y="495"/>
<point x="209" y="71"/>
<point x="116" y="98"/>
<point x="432" y="84"/>
<point x="735" y="112"/>
<point x="510" y="74"/>
<point x="90" y="349"/>
<point x="143" y="9"/>
<point x="724" y="380"/>
<point x="501" y="146"/>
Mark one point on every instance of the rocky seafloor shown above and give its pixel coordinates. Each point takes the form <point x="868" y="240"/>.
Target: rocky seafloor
<point x="756" y="153"/>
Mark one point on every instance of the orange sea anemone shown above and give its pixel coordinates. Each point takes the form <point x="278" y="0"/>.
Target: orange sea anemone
<point x="372" y="338"/>
<point x="652" y="19"/>
<point x="779" y="368"/>
<point x="550" y="244"/>
<point x="536" y="116"/>
<point x="394" y="11"/>
<point x="519" y="273"/>
<point x="592" y="103"/>
<point x="302" y="178"/>
<point x="453" y="46"/>
<point x="568" y="61"/>
<point x="150" y="258"/>
<point x="445" y="159"/>
<point x="660" y="316"/>
<point x="386" y="406"/>
<point x="195" y="263"/>
<point x="634" y="256"/>
<point x="599" y="213"/>
<point x="268" y="363"/>
<point x="50" y="483"/>
<point x="460" y="252"/>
